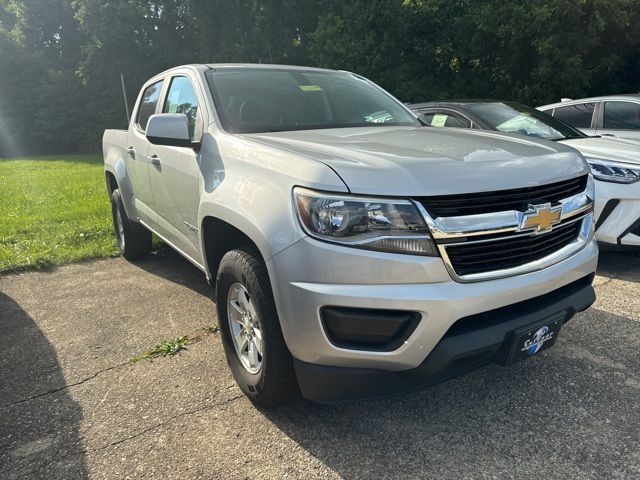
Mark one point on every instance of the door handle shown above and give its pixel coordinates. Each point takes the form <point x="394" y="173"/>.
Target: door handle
<point x="155" y="160"/>
<point x="131" y="151"/>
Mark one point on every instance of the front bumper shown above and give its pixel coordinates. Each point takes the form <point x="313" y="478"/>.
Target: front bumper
<point x="310" y="275"/>
<point x="471" y="342"/>
<point x="617" y="213"/>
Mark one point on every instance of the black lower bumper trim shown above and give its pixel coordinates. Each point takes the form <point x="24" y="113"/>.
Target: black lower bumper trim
<point x="608" y="209"/>
<point x="367" y="328"/>
<point x="469" y="344"/>
<point x="633" y="228"/>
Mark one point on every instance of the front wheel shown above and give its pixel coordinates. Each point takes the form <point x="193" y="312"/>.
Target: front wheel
<point x="254" y="346"/>
<point x="134" y="241"/>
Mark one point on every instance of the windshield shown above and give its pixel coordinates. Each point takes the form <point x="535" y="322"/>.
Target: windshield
<point x="515" y="118"/>
<point x="251" y="100"/>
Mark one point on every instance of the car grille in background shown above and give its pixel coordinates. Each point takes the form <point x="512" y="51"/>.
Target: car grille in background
<point x="515" y="199"/>
<point x="478" y="256"/>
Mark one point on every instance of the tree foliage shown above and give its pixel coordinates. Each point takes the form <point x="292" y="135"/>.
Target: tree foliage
<point x="60" y="60"/>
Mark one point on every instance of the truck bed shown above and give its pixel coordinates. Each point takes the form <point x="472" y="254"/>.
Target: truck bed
<point x="113" y="146"/>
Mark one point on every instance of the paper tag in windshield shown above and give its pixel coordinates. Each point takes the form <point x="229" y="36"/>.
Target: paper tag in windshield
<point x="310" y="88"/>
<point x="439" y="120"/>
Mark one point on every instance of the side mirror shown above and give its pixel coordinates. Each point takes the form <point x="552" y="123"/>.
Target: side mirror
<point x="169" y="129"/>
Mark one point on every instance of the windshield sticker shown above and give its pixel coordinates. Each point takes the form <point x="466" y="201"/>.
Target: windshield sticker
<point x="439" y="120"/>
<point x="310" y="88"/>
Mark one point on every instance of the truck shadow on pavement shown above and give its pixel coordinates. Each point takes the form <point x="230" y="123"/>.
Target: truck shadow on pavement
<point x="572" y="412"/>
<point x="166" y="263"/>
<point x="620" y="265"/>
<point x="39" y="421"/>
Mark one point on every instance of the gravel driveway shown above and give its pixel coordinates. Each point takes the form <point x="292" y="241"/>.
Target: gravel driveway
<point x="73" y="406"/>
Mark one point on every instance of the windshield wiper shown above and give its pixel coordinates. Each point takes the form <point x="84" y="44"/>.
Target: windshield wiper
<point x="569" y="137"/>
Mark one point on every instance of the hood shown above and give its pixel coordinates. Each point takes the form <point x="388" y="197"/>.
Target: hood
<point x="430" y="161"/>
<point x="607" y="148"/>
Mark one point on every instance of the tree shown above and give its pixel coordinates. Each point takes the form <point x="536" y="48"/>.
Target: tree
<point x="37" y="81"/>
<point x="60" y="60"/>
<point x="533" y="52"/>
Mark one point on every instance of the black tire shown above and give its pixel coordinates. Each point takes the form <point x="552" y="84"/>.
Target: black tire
<point x="134" y="241"/>
<point x="275" y="382"/>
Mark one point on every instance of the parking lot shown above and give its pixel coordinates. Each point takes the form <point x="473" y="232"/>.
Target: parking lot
<point x="72" y="405"/>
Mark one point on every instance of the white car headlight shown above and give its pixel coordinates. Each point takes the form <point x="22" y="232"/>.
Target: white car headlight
<point x="386" y="225"/>
<point x="608" y="171"/>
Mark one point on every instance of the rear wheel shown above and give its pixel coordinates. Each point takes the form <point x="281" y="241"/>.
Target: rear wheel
<point x="254" y="346"/>
<point x="134" y="241"/>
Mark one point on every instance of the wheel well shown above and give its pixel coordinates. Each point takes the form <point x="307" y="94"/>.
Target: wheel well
<point x="221" y="237"/>
<point x="112" y="183"/>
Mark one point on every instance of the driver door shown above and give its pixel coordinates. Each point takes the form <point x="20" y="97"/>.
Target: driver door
<point x="175" y="174"/>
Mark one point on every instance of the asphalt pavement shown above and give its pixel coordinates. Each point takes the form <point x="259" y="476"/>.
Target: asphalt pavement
<point x="73" y="406"/>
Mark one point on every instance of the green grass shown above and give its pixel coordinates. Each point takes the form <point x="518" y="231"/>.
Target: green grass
<point x="53" y="210"/>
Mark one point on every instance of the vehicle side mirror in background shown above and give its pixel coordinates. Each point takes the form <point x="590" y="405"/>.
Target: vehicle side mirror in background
<point x="169" y="129"/>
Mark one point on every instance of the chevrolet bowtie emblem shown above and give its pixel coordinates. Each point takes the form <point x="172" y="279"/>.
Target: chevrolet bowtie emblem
<point x="541" y="218"/>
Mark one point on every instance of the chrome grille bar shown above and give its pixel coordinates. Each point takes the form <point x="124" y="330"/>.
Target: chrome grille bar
<point x="503" y="226"/>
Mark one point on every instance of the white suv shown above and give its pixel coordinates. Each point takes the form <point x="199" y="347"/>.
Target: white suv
<point x="613" y="115"/>
<point x="355" y="252"/>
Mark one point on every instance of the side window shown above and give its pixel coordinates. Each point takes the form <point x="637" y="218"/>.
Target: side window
<point x="445" y="119"/>
<point x="426" y="116"/>
<point x="578" y="115"/>
<point x="182" y="98"/>
<point x="148" y="104"/>
<point x="622" y="115"/>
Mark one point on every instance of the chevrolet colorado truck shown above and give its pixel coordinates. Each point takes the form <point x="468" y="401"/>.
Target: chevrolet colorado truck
<point x="355" y="252"/>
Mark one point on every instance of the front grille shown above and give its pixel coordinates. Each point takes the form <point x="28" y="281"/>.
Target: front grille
<point x="478" y="256"/>
<point x="502" y="200"/>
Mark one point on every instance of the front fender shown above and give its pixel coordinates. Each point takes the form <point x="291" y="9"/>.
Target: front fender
<point x="270" y="237"/>
<point x="249" y="186"/>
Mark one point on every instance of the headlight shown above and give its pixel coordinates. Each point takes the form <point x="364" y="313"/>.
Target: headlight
<point x="386" y="225"/>
<point x="607" y="171"/>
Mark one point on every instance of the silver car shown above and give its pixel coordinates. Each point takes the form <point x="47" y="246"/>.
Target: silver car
<point x="613" y="115"/>
<point x="355" y="252"/>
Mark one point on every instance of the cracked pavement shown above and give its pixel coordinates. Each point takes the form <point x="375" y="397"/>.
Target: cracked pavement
<point x="73" y="406"/>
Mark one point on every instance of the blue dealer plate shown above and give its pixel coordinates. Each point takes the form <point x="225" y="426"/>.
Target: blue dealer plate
<point x="535" y="340"/>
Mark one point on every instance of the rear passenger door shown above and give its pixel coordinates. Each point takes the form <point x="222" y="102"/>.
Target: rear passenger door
<point x="578" y="115"/>
<point x="137" y="149"/>
<point x="621" y="119"/>
<point x="444" y="118"/>
<point x="175" y="172"/>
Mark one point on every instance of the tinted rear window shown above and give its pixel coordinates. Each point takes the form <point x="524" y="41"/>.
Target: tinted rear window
<point x="578" y="116"/>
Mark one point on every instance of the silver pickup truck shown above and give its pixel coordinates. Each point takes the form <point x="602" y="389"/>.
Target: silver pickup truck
<point x="355" y="252"/>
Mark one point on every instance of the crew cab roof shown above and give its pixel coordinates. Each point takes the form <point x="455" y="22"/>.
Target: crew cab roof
<point x="265" y="66"/>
